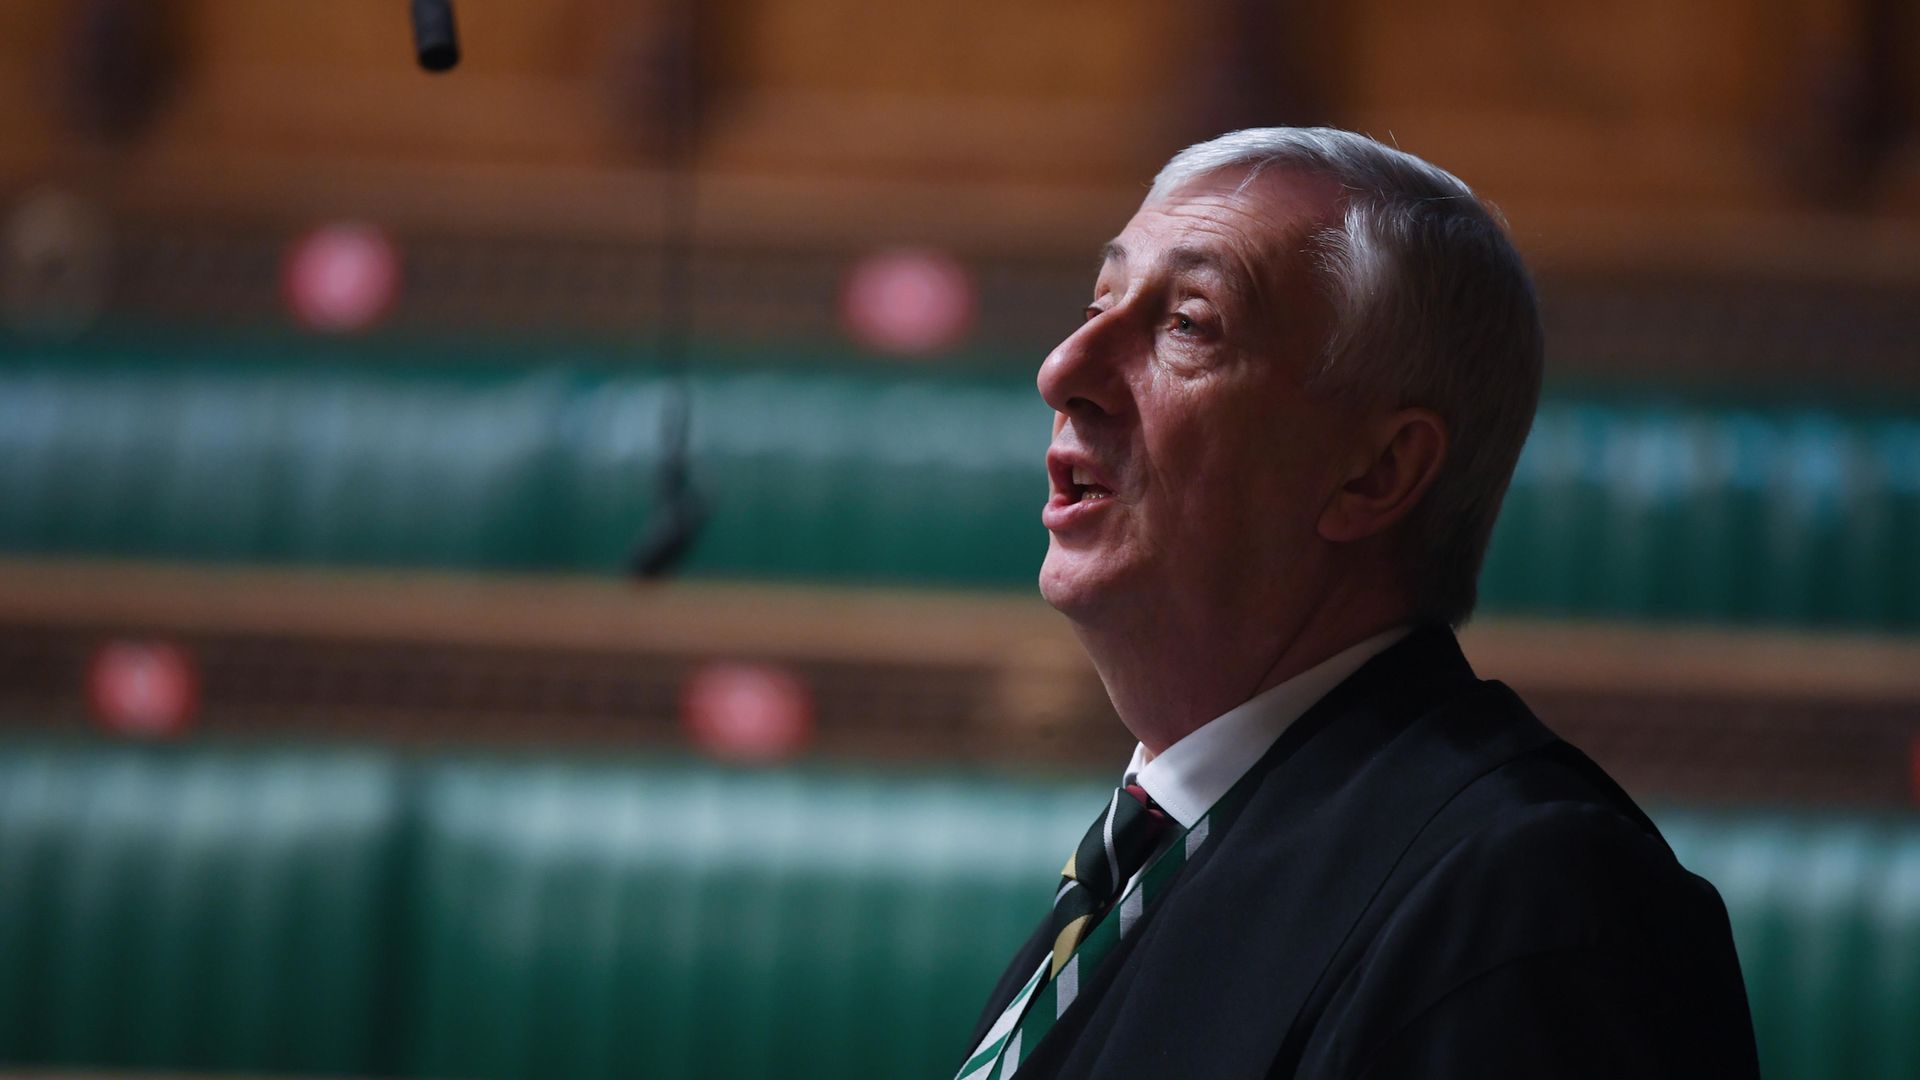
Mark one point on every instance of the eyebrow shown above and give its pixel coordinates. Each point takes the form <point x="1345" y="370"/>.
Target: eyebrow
<point x="1187" y="258"/>
<point x="1178" y="259"/>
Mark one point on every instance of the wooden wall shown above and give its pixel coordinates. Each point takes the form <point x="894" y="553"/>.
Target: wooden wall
<point x="1006" y="120"/>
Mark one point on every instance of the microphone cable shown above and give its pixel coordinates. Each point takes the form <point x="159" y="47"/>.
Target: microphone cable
<point x="680" y="509"/>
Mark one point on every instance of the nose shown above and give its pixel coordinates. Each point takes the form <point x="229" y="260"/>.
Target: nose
<point x="1083" y="376"/>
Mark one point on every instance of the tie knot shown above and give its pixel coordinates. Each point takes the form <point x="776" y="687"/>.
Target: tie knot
<point x="1118" y="843"/>
<point x="1114" y="850"/>
<point x="1145" y="800"/>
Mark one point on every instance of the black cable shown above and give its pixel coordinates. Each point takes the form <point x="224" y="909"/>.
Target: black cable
<point x="680" y="509"/>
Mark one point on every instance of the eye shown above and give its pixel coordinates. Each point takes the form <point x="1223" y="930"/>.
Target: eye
<point x="1192" y="317"/>
<point x="1185" y="325"/>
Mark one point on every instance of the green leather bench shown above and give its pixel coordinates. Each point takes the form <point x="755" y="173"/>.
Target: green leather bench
<point x="497" y="458"/>
<point x="193" y="910"/>
<point x="341" y="912"/>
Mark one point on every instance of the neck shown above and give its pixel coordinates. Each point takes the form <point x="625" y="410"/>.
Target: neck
<point x="1168" y="677"/>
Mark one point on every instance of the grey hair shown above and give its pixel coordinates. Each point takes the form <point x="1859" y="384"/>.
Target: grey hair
<point x="1432" y="307"/>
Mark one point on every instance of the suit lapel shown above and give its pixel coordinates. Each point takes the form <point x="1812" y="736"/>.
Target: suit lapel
<point x="1199" y="989"/>
<point x="1018" y="972"/>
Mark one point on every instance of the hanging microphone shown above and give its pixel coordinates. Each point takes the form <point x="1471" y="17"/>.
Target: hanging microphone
<point x="433" y="35"/>
<point x="671" y="533"/>
<point x="679" y="510"/>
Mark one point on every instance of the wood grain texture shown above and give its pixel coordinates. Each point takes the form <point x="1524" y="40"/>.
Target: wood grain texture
<point x="895" y="626"/>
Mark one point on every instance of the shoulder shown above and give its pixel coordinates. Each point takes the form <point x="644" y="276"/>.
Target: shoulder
<point x="1545" y="850"/>
<point x="1538" y="893"/>
<point x="1514" y="874"/>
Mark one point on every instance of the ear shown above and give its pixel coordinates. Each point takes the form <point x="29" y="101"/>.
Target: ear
<point x="1395" y="465"/>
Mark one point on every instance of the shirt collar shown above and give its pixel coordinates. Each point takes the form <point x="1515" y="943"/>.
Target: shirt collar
<point x="1187" y="778"/>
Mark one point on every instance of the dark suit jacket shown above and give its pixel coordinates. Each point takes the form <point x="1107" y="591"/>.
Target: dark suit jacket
<point x="1425" y="883"/>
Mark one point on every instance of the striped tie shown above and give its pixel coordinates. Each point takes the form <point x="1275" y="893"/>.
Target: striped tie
<point x="1114" y="850"/>
<point x="1054" y="987"/>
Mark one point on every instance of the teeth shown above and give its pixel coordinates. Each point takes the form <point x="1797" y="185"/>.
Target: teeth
<point x="1082" y="476"/>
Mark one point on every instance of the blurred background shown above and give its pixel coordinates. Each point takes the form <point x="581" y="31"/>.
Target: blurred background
<point x="528" y="571"/>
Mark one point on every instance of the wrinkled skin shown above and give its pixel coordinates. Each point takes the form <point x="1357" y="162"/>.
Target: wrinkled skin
<point x="1205" y="576"/>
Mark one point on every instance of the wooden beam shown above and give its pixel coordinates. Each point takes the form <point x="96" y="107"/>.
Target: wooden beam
<point x="937" y="628"/>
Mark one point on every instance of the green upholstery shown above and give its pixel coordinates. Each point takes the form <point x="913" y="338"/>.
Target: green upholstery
<point x="814" y="473"/>
<point x="194" y="910"/>
<point x="344" y="912"/>
<point x="614" y="921"/>
<point x="1740" y="513"/>
<point x="1826" y="913"/>
<point x="545" y="460"/>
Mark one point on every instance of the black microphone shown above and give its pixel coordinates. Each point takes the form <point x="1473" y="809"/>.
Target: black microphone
<point x="680" y="512"/>
<point x="433" y="35"/>
<point x="669" y="536"/>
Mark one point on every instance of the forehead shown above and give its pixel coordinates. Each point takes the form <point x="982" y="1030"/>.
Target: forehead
<point x="1224" y="223"/>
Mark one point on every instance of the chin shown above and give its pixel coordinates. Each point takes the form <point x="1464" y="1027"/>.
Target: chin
<point x="1076" y="584"/>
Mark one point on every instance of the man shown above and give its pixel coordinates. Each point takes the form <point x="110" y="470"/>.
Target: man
<point x="1281" y="438"/>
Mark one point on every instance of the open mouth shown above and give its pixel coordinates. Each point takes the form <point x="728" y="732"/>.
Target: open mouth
<point x="1083" y="489"/>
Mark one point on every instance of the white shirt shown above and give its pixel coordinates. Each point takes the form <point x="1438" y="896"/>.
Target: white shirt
<point x="1187" y="778"/>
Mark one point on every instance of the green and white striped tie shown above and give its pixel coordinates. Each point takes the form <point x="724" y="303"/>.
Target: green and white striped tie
<point x="1114" y="849"/>
<point x="1048" y="994"/>
<point x="1116" y="846"/>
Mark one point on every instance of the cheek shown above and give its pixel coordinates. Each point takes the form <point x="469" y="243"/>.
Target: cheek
<point x="1201" y="472"/>
<point x="1246" y="483"/>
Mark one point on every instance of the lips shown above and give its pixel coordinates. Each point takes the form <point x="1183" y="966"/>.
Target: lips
<point x="1080" y="488"/>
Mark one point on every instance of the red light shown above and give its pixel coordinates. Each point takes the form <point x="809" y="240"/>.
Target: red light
<point x="908" y="301"/>
<point x="1913" y="762"/>
<point x="341" y="278"/>
<point x="748" y="712"/>
<point x="148" y="689"/>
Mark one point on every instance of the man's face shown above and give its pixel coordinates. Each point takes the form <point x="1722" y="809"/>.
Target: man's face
<point x="1189" y="464"/>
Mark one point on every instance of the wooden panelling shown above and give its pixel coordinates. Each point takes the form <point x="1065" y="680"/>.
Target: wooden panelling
<point x="906" y="627"/>
<point x="339" y="80"/>
<point x="1073" y="90"/>
<point x="1623" y="131"/>
<point x="1006" y="49"/>
<point x="1589" y="102"/>
<point x="31" y="37"/>
<point x="1673" y="712"/>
